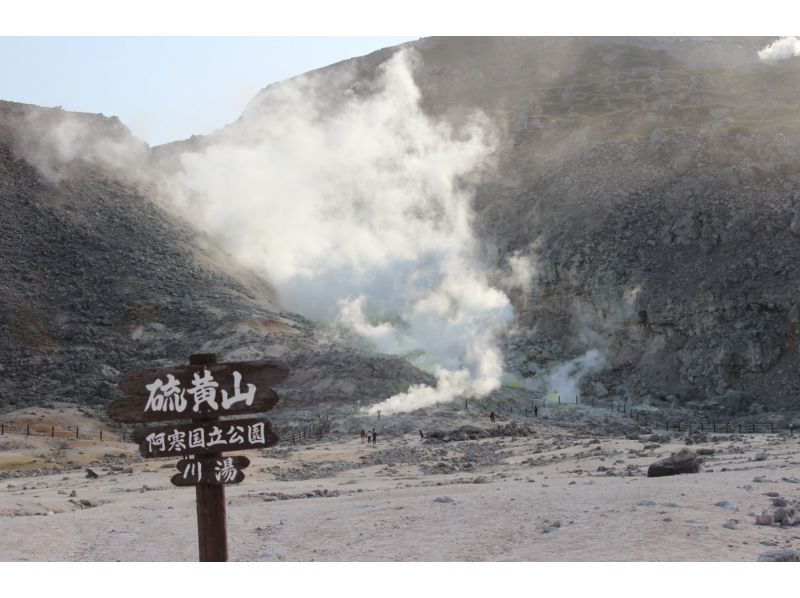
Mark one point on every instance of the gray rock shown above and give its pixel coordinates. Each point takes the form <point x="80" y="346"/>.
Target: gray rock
<point x="785" y="516"/>
<point x="760" y="457"/>
<point x="443" y="499"/>
<point x="684" y="461"/>
<point x="725" y="504"/>
<point x="779" y="502"/>
<point x="785" y="555"/>
<point x="730" y="524"/>
<point x="764" y="519"/>
<point x="646" y="503"/>
<point x="90" y="473"/>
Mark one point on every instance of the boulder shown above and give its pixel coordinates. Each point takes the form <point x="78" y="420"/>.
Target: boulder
<point x="684" y="461"/>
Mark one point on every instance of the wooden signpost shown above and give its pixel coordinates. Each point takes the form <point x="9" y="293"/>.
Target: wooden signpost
<point x="203" y="392"/>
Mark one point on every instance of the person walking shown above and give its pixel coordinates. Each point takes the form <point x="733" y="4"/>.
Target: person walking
<point x="369" y="437"/>
<point x="535" y="411"/>
<point x="363" y="435"/>
<point x="491" y="416"/>
<point x="374" y="436"/>
<point x="421" y="435"/>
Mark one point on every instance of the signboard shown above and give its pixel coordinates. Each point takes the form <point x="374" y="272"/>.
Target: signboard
<point x="198" y="391"/>
<point x="203" y="392"/>
<point x="217" y="471"/>
<point x="202" y="438"/>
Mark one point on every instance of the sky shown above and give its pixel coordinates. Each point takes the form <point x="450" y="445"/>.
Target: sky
<point x="164" y="88"/>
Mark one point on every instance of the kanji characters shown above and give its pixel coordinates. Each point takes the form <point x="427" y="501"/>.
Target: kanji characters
<point x="255" y="434"/>
<point x="194" y="469"/>
<point x="204" y="390"/>
<point x="166" y="397"/>
<point x="176" y="441"/>
<point x="215" y="437"/>
<point x="197" y="438"/>
<point x="156" y="441"/>
<point x="235" y="434"/>
<point x="238" y="396"/>
<point x="224" y="470"/>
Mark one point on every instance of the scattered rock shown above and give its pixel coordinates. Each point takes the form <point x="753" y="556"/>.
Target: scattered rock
<point x="785" y="516"/>
<point x="764" y="519"/>
<point x="482" y="480"/>
<point x="646" y="503"/>
<point x="443" y="499"/>
<point x="730" y="524"/>
<point x="684" y="461"/>
<point x="90" y="473"/>
<point x="73" y="494"/>
<point x="785" y="555"/>
<point x="760" y="457"/>
<point x="726" y="504"/>
<point x="778" y="502"/>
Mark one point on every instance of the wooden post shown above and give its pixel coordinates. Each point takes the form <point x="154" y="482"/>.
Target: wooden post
<point x="28" y="430"/>
<point x="2" y="429"/>
<point x="715" y="427"/>
<point x="77" y="432"/>
<point x="52" y="431"/>
<point x="212" y="533"/>
<point x="101" y="433"/>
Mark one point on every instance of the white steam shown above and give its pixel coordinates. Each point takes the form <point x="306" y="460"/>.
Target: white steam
<point x="358" y="213"/>
<point x="565" y="380"/>
<point x="780" y="49"/>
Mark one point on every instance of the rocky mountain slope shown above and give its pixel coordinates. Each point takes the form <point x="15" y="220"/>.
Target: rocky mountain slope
<point x="655" y="181"/>
<point x="96" y="279"/>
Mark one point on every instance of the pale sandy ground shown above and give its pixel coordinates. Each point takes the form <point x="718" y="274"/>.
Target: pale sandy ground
<point x="393" y="515"/>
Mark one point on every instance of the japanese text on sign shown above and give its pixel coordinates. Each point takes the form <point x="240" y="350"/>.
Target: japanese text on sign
<point x="169" y="396"/>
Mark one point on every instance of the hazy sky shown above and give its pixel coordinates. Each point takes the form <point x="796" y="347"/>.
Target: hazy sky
<point x="164" y="88"/>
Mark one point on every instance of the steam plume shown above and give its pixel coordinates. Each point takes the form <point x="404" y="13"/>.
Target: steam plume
<point x="359" y="214"/>
<point x="780" y="49"/>
<point x="565" y="380"/>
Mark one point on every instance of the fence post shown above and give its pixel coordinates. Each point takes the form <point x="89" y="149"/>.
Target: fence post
<point x="101" y="434"/>
<point x="772" y="428"/>
<point x="2" y="429"/>
<point x="52" y="431"/>
<point x="740" y="428"/>
<point x="28" y="430"/>
<point x="715" y="427"/>
<point x="77" y="432"/>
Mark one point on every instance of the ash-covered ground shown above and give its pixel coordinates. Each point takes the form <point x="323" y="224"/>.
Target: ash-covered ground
<point x="524" y="489"/>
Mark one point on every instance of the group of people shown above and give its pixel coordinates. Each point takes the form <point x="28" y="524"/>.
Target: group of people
<point x="369" y="436"/>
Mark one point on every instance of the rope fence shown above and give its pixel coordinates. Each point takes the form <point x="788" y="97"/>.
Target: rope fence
<point x="43" y="430"/>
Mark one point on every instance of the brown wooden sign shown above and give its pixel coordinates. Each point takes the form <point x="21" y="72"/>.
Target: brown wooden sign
<point x="198" y="391"/>
<point x="202" y="438"/>
<point x="214" y="471"/>
<point x="203" y="392"/>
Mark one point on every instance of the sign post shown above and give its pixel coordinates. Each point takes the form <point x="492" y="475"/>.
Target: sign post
<point x="204" y="391"/>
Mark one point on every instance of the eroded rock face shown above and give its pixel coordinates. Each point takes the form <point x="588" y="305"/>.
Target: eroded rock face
<point x="684" y="461"/>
